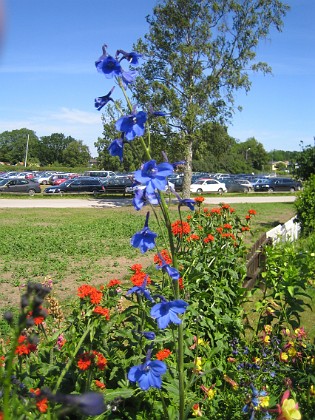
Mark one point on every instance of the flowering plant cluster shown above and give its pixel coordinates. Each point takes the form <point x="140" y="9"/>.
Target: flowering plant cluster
<point x="167" y="342"/>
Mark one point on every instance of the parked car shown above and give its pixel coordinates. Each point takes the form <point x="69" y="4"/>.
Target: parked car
<point x="245" y="182"/>
<point x="19" y="185"/>
<point x="119" y="184"/>
<point x="176" y="182"/>
<point x="278" y="184"/>
<point x="207" y="185"/>
<point x="77" y="185"/>
<point x="235" y="186"/>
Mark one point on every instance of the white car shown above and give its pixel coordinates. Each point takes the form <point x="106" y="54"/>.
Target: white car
<point x="205" y="185"/>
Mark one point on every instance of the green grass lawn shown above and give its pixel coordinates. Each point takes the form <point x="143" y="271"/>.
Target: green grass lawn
<point x="87" y="245"/>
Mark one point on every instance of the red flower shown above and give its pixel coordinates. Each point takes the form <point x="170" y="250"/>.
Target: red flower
<point x="245" y="228"/>
<point x="180" y="228"/>
<point x="138" y="278"/>
<point x="22" y="349"/>
<point x="225" y="206"/>
<point x="99" y="384"/>
<point x="247" y="217"/>
<point x="181" y="283"/>
<point x="2" y="359"/>
<point x="102" y="311"/>
<point x="199" y="200"/>
<point x="251" y="211"/>
<point x="42" y="405"/>
<point x="215" y="210"/>
<point x="227" y="226"/>
<point x="101" y="361"/>
<point x="209" y="238"/>
<point x="232" y="210"/>
<point x="163" y="354"/>
<point x="113" y="283"/>
<point x="91" y="292"/>
<point x="165" y="255"/>
<point x="136" y="267"/>
<point x="193" y="237"/>
<point x="84" y="361"/>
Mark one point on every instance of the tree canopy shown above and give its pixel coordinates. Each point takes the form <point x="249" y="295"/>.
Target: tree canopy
<point x="197" y="54"/>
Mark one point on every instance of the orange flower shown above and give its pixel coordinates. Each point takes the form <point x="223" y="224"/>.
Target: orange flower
<point x="245" y="228"/>
<point x="180" y="228"/>
<point x="42" y="405"/>
<point x="199" y="200"/>
<point x="138" y="278"/>
<point x="209" y="238"/>
<point x="232" y="210"/>
<point x="193" y="237"/>
<point x="136" y="267"/>
<point x="2" y="359"/>
<point x="91" y="292"/>
<point x="216" y="210"/>
<point x="163" y="354"/>
<point x="227" y="226"/>
<point x="225" y="206"/>
<point x="99" y="384"/>
<point x="113" y="283"/>
<point x="181" y="283"/>
<point x="22" y="349"/>
<point x="102" y="311"/>
<point x="247" y="217"/>
<point x="101" y="361"/>
<point x="165" y="255"/>
<point x="84" y="361"/>
<point x="251" y="211"/>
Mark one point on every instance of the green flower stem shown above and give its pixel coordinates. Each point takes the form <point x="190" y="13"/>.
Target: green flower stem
<point x="67" y="367"/>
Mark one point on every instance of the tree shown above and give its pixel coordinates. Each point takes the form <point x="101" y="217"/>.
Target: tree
<point x="52" y="147"/>
<point x="76" y="154"/>
<point x="13" y="145"/>
<point x="198" y="53"/>
<point x="305" y="163"/>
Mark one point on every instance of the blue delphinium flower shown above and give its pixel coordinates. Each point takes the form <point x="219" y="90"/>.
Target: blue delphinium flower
<point x="103" y="100"/>
<point x="166" y="268"/>
<point x="149" y="335"/>
<point x="189" y="202"/>
<point x="142" y="197"/>
<point x="116" y="148"/>
<point x="166" y="312"/>
<point x="148" y="374"/>
<point x="153" y="175"/>
<point x="89" y="403"/>
<point x="132" y="57"/>
<point x="132" y="125"/>
<point x="254" y="403"/>
<point x="109" y="66"/>
<point x="141" y="290"/>
<point x="128" y="77"/>
<point x="145" y="239"/>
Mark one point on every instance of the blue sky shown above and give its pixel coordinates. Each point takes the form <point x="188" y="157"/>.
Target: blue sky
<point x="48" y="80"/>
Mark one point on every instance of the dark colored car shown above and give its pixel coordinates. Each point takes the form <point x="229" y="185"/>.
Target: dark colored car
<point x="77" y="186"/>
<point x="177" y="182"/>
<point x="235" y="186"/>
<point x="278" y="184"/>
<point x="19" y="185"/>
<point x="119" y="184"/>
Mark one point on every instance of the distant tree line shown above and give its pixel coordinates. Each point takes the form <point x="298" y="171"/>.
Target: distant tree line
<point x="43" y="151"/>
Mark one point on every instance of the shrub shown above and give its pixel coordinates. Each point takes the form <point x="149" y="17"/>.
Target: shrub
<point x="305" y="206"/>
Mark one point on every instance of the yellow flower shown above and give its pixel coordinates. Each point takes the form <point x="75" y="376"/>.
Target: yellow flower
<point x="290" y="410"/>
<point x="284" y="356"/>
<point x="267" y="339"/>
<point x="292" y="352"/>
<point x="268" y="329"/>
<point x="201" y="342"/>
<point x="198" y="364"/>
<point x="256" y="360"/>
<point x="312" y="390"/>
<point x="264" y="401"/>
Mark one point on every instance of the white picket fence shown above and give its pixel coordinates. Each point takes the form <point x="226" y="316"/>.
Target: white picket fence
<point x="288" y="231"/>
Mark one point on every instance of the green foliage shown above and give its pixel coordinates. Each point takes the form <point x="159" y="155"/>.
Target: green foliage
<point x="305" y="206"/>
<point x="285" y="280"/>
<point x="305" y="163"/>
<point x="197" y="55"/>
